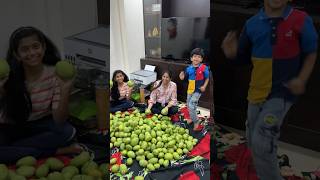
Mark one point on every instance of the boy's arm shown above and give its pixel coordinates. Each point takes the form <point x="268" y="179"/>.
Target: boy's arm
<point x="307" y="67"/>
<point x="206" y="82"/>
<point x="237" y="50"/>
<point x="309" y="48"/>
<point x="204" y="86"/>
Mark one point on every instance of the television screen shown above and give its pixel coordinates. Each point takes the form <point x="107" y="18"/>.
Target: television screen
<point x="180" y="35"/>
<point x="185" y="8"/>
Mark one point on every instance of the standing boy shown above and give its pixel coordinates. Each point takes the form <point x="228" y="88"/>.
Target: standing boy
<point x="281" y="44"/>
<point x="198" y="79"/>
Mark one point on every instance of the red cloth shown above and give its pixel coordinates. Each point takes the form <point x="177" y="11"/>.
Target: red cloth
<point x="190" y="175"/>
<point x="174" y="117"/>
<point x="117" y="156"/>
<point x="215" y="172"/>
<point x="200" y="72"/>
<point x="294" y="178"/>
<point x="241" y="155"/>
<point x="185" y="112"/>
<point x="202" y="148"/>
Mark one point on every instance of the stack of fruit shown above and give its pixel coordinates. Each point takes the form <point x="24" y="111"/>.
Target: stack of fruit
<point x="80" y="167"/>
<point x="153" y="141"/>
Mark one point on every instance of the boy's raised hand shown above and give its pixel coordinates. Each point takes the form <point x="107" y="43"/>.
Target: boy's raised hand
<point x="181" y="75"/>
<point x="230" y="45"/>
<point x="296" y="86"/>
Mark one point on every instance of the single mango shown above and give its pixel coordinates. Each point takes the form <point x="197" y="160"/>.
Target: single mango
<point x="26" y="161"/>
<point x="65" y="70"/>
<point x="4" y="69"/>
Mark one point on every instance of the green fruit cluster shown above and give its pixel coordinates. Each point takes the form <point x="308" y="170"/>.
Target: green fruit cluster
<point x="80" y="167"/>
<point x="153" y="142"/>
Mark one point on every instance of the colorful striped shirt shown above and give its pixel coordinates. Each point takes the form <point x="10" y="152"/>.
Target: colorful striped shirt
<point x="196" y="77"/>
<point x="275" y="47"/>
<point x="164" y="95"/>
<point x="44" y="93"/>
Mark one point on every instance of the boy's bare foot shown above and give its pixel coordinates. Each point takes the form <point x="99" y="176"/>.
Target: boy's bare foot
<point x="72" y="149"/>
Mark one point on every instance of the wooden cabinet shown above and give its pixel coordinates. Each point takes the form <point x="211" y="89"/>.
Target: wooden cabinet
<point x="152" y="26"/>
<point x="175" y="68"/>
<point x="302" y="123"/>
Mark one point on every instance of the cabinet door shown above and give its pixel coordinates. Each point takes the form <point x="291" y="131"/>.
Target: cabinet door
<point x="152" y="28"/>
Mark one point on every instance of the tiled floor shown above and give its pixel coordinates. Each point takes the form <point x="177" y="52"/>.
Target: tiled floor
<point x="300" y="158"/>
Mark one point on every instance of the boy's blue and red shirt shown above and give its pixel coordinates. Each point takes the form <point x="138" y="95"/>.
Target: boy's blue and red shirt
<point x="196" y="77"/>
<point x="276" y="47"/>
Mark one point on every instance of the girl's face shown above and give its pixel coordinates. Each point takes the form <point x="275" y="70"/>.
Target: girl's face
<point x="119" y="78"/>
<point x="30" y="51"/>
<point x="166" y="78"/>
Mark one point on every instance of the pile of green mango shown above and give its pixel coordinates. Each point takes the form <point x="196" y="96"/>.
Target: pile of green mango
<point x="152" y="141"/>
<point x="81" y="167"/>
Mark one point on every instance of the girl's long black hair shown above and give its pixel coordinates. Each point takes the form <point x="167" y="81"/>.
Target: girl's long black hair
<point x="169" y="74"/>
<point x="17" y="104"/>
<point x="114" y="90"/>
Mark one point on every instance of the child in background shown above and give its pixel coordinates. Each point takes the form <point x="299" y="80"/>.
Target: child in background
<point x="33" y="100"/>
<point x="163" y="98"/>
<point x="120" y="92"/>
<point x="197" y="75"/>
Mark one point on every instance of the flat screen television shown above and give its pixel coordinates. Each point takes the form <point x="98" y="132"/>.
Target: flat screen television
<point x="179" y="35"/>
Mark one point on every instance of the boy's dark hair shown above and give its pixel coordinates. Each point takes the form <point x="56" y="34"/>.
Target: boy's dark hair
<point x="114" y="90"/>
<point x="16" y="102"/>
<point x="197" y="51"/>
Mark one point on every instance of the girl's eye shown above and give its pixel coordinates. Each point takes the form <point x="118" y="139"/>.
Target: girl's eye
<point x="24" y="49"/>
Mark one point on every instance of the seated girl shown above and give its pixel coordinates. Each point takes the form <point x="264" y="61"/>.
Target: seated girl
<point x="34" y="100"/>
<point x="163" y="98"/>
<point x="120" y="92"/>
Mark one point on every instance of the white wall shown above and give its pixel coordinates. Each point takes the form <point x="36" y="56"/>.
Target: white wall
<point x="127" y="35"/>
<point x="57" y="19"/>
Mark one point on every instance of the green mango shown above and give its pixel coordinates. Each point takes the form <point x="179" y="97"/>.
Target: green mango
<point x="26" y="161"/>
<point x="164" y="111"/>
<point x="104" y="168"/>
<point x="42" y="171"/>
<point x="123" y="169"/>
<point x="65" y="70"/>
<point x="55" y="176"/>
<point x="18" y="177"/>
<point x="81" y="159"/>
<point x="82" y="177"/>
<point x="139" y="178"/>
<point x="96" y="173"/>
<point x="115" y="168"/>
<point x="26" y="171"/>
<point x="54" y="164"/>
<point x="4" y="172"/>
<point x="71" y="170"/>
<point x="4" y="69"/>
<point x="88" y="166"/>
